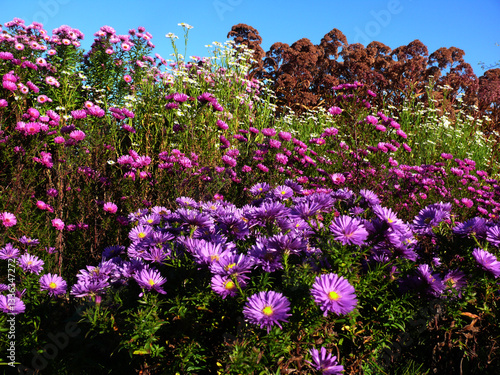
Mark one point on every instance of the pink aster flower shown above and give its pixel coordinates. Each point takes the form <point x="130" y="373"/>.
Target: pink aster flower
<point x="127" y="78"/>
<point x="58" y="224"/>
<point x="43" y="99"/>
<point x="77" y="135"/>
<point x="8" y="219"/>
<point x="52" y="81"/>
<point x="110" y="207"/>
<point x="8" y="85"/>
<point x="335" y="110"/>
<point x="222" y="125"/>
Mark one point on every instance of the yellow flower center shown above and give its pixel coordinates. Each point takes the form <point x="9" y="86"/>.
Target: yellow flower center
<point x="150" y="221"/>
<point x="390" y="220"/>
<point x="229" y="285"/>
<point x="333" y="296"/>
<point x="151" y="282"/>
<point x="52" y="285"/>
<point x="141" y="235"/>
<point x="229" y="266"/>
<point x="268" y="310"/>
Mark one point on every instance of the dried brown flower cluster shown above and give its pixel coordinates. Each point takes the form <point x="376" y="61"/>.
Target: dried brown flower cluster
<point x="302" y="74"/>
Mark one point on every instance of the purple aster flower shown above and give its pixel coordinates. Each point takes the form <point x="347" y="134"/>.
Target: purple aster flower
<point x="266" y="309"/>
<point x="103" y="271"/>
<point x="140" y="232"/>
<point x="369" y="197"/>
<point x="113" y="251"/>
<point x="472" y="227"/>
<point x="267" y="212"/>
<point x="186" y="202"/>
<point x="487" y="261"/>
<point x="334" y="293"/>
<point x="325" y="362"/>
<point x="232" y="225"/>
<point x="260" y="188"/>
<point x="268" y="259"/>
<point x="9" y="252"/>
<point x="149" y="278"/>
<point x="387" y="215"/>
<point x="348" y="230"/>
<point x="232" y="264"/>
<point x="206" y="252"/>
<point x="282" y="192"/>
<point x="151" y="219"/>
<point x="493" y="235"/>
<point x="86" y="287"/>
<point x="455" y="279"/>
<point x="11" y="304"/>
<point x="156" y="254"/>
<point x="428" y="218"/>
<point x="431" y="281"/>
<point x="31" y="263"/>
<point x="29" y="241"/>
<point x="290" y="243"/>
<point x="225" y="286"/>
<point x="54" y="284"/>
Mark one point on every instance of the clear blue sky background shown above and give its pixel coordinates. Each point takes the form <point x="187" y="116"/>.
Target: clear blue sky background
<point x="472" y="26"/>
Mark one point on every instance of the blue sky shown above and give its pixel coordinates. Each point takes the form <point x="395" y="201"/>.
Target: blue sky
<point x="470" y="26"/>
